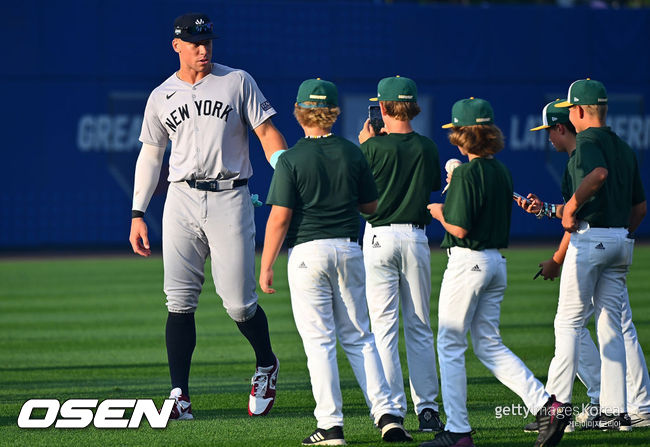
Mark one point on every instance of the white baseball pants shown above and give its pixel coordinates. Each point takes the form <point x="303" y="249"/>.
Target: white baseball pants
<point x="596" y="265"/>
<point x="470" y="300"/>
<point x="327" y="285"/>
<point x="398" y="271"/>
<point x="221" y="224"/>
<point x="637" y="382"/>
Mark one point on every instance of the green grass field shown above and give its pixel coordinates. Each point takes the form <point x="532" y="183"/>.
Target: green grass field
<point x="94" y="328"/>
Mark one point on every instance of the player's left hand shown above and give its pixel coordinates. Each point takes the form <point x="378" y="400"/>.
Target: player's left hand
<point x="436" y="210"/>
<point x="533" y="206"/>
<point x="266" y="281"/>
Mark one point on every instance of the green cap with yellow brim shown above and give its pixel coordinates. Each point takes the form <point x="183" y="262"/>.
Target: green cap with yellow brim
<point x="470" y="112"/>
<point x="396" y="88"/>
<point x="552" y="115"/>
<point x="585" y="92"/>
<point x="322" y="93"/>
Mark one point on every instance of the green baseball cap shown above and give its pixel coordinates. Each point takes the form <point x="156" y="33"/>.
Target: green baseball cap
<point x="585" y="92"/>
<point x="324" y="93"/>
<point x="396" y="88"/>
<point x="552" y="115"/>
<point x="470" y="112"/>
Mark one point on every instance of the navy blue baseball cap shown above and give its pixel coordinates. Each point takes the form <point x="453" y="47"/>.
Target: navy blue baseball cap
<point x="194" y="27"/>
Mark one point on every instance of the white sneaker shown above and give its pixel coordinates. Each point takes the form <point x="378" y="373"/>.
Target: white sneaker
<point x="182" y="407"/>
<point x="640" y="419"/>
<point x="262" y="395"/>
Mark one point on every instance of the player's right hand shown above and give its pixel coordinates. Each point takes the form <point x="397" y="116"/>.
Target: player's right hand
<point x="266" y="280"/>
<point x="139" y="238"/>
<point x="366" y="132"/>
<point x="550" y="269"/>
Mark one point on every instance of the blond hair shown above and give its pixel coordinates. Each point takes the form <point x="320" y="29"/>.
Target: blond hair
<point x="597" y="110"/>
<point x="401" y="110"/>
<point x="480" y="139"/>
<point x="321" y="117"/>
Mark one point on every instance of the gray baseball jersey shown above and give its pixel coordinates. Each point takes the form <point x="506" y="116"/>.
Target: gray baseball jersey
<point x="207" y="123"/>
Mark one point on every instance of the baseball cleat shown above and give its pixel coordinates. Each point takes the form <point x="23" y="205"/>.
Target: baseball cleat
<point x="619" y="422"/>
<point x="262" y="395"/>
<point x="533" y="427"/>
<point x="182" y="409"/>
<point x="430" y="420"/>
<point x="331" y="436"/>
<point x="640" y="419"/>
<point x="552" y="419"/>
<point x="588" y="416"/>
<point x="392" y="429"/>
<point x="449" y="439"/>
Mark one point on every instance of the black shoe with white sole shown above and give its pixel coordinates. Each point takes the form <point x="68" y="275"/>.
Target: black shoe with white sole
<point x="430" y="420"/>
<point x="392" y="429"/>
<point x="331" y="436"/>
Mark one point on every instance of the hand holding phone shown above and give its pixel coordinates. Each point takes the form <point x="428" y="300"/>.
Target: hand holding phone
<point x="516" y="196"/>
<point x="374" y="115"/>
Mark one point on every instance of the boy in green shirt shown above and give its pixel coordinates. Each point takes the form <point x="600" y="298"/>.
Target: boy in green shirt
<point x="605" y="202"/>
<point x="476" y="216"/>
<point x="318" y="188"/>
<point x="396" y="250"/>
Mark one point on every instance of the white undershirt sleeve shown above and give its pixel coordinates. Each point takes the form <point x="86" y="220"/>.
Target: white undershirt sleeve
<point x="147" y="173"/>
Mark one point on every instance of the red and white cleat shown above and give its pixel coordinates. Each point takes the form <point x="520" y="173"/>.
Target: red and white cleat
<point x="262" y="395"/>
<point x="182" y="408"/>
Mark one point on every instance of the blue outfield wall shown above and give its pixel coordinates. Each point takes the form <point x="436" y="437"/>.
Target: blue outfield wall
<point x="76" y="76"/>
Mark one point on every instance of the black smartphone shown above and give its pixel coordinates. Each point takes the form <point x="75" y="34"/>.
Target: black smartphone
<point x="374" y="115"/>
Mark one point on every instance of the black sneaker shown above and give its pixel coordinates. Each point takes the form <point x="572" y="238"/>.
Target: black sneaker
<point x="430" y="420"/>
<point x="449" y="439"/>
<point x="331" y="436"/>
<point x="392" y="429"/>
<point x="532" y="427"/>
<point x="620" y="422"/>
<point x="552" y="419"/>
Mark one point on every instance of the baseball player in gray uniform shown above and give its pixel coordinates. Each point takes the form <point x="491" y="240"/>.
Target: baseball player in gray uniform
<point x="317" y="190"/>
<point x="396" y="251"/>
<point x="563" y="136"/>
<point x="476" y="217"/>
<point x="206" y="109"/>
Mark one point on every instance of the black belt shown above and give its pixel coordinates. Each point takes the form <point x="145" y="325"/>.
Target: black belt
<point x="216" y="185"/>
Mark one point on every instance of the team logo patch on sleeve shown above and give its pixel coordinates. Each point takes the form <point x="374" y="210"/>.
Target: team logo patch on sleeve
<point x="266" y="106"/>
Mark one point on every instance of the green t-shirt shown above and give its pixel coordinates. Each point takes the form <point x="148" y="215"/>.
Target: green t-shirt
<point x="611" y="205"/>
<point x="479" y="200"/>
<point x="406" y="169"/>
<point x="567" y="181"/>
<point x="322" y="180"/>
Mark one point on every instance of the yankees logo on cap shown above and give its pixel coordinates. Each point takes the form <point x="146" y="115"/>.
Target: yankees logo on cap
<point x="194" y="27"/>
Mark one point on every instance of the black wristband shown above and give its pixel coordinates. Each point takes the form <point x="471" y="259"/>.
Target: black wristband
<point x="136" y="213"/>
